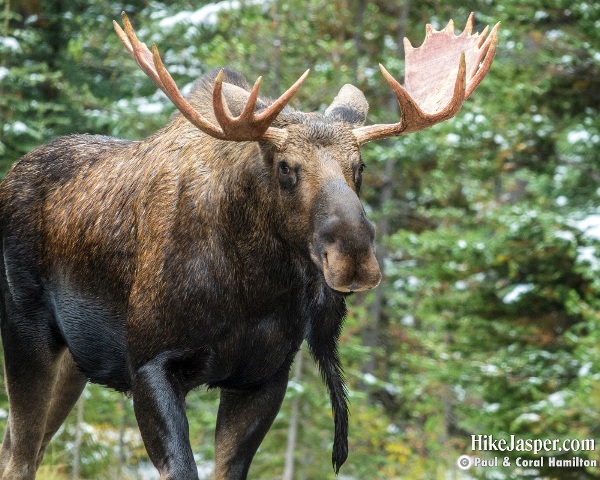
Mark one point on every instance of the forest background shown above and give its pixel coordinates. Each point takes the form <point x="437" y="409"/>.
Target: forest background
<point x="487" y="319"/>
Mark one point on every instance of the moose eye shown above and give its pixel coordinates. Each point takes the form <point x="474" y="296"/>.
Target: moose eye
<point x="358" y="175"/>
<point x="287" y="176"/>
<point x="284" y="168"/>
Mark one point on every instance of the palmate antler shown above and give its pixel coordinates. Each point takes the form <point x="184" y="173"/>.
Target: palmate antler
<point x="248" y="126"/>
<point x="440" y="75"/>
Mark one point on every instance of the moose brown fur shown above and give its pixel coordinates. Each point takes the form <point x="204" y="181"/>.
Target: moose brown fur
<point x="156" y="266"/>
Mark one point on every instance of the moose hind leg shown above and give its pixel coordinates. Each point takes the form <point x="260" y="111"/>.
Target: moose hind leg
<point x="69" y="384"/>
<point x="32" y="360"/>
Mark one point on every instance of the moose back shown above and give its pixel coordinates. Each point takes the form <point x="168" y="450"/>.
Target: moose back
<point x="203" y="255"/>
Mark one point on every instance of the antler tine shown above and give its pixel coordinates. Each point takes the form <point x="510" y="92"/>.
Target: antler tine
<point x="407" y="105"/>
<point x="276" y="107"/>
<point x="251" y="102"/>
<point x="171" y="90"/>
<point x="123" y="37"/>
<point x="138" y="50"/>
<point x="469" y="26"/>
<point x="484" y="60"/>
<point x="450" y="27"/>
<point x="424" y="101"/>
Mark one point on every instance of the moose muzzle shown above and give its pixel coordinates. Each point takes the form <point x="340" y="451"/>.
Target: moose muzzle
<point x="343" y="240"/>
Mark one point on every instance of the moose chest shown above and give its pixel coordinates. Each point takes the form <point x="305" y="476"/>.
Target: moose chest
<point x="240" y="346"/>
<point x="241" y="354"/>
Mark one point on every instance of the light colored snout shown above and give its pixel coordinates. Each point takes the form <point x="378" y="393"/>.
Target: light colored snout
<point x="347" y="272"/>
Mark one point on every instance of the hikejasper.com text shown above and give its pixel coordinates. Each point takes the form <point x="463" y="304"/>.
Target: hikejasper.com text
<point x="487" y="443"/>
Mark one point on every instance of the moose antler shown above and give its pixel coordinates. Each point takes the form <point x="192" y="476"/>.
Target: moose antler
<point x="445" y="67"/>
<point x="248" y="126"/>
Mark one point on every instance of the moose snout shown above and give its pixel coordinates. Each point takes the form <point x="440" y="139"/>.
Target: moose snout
<point x="343" y="246"/>
<point x="350" y="271"/>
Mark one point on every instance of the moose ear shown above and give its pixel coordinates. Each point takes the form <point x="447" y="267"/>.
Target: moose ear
<point x="349" y="106"/>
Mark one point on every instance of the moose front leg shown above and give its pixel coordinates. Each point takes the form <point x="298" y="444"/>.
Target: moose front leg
<point x="159" y="405"/>
<point x="243" y="420"/>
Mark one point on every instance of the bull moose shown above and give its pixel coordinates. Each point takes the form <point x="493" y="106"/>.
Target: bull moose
<point x="202" y="255"/>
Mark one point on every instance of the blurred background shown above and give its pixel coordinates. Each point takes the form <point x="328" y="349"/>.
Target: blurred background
<point x="487" y="320"/>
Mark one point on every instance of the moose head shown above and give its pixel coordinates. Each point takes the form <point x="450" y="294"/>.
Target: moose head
<point x="317" y="165"/>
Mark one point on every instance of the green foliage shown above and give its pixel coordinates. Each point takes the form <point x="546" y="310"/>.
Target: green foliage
<point x="487" y="319"/>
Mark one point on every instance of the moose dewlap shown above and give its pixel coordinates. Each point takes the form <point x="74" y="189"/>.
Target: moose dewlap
<point x="202" y="255"/>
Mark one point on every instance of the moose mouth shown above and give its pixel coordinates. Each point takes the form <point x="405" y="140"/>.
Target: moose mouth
<point x="346" y="272"/>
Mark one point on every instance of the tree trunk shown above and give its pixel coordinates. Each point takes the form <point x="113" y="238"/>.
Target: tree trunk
<point x="122" y="426"/>
<point x="277" y="41"/>
<point x="288" y="472"/>
<point x="5" y="32"/>
<point x="78" y="438"/>
<point x="371" y="334"/>
<point x="6" y="24"/>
